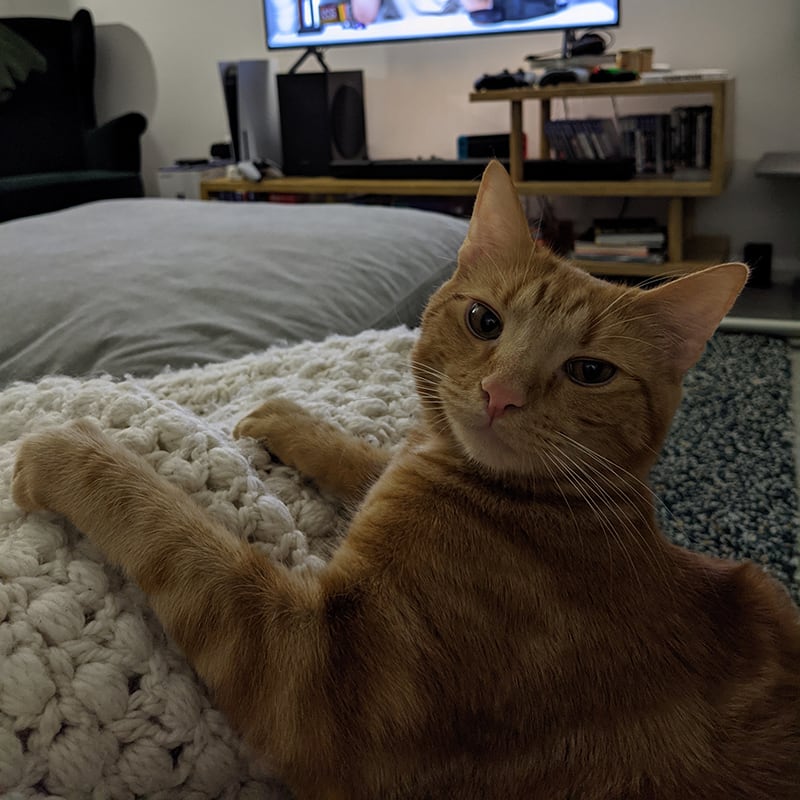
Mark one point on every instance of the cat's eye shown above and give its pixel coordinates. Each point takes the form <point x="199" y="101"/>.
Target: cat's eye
<point x="483" y="322"/>
<point x="590" y="371"/>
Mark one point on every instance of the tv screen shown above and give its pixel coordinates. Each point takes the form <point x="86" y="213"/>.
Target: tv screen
<point x="324" y="23"/>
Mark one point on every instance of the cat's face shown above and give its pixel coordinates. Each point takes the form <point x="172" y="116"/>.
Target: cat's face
<point x="537" y="369"/>
<point x="541" y="367"/>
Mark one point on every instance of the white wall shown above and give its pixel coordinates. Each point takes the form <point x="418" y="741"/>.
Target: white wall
<point x="36" y="8"/>
<point x="160" y="57"/>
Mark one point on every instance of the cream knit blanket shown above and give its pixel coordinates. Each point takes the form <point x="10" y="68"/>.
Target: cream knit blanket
<point x="94" y="700"/>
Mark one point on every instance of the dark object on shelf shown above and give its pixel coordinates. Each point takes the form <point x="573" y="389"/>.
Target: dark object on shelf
<point x="467" y="169"/>
<point x="590" y="44"/>
<point x="612" y="75"/>
<point x="222" y="151"/>
<point x="489" y="145"/>
<point x="53" y="155"/>
<point x="758" y="256"/>
<point x="503" y="80"/>
<point x="579" y="169"/>
<point x="552" y="77"/>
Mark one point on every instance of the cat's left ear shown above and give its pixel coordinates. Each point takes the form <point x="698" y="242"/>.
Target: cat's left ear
<point x="498" y="227"/>
<point x="688" y="310"/>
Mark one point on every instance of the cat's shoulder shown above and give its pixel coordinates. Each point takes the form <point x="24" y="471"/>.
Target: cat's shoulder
<point x="744" y="602"/>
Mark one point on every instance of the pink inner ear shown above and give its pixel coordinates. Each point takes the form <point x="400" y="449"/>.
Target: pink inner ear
<point x="690" y="308"/>
<point x="692" y="339"/>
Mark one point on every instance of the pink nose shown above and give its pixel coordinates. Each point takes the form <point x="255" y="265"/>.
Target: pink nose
<point x="501" y="397"/>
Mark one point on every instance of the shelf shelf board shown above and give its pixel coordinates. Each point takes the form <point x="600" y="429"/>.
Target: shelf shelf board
<point x="599" y="90"/>
<point x="669" y="269"/>
<point x="342" y="186"/>
<point x="636" y="187"/>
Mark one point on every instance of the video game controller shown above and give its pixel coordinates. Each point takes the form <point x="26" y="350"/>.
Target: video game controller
<point x="612" y="75"/>
<point x="552" y="77"/>
<point x="249" y="170"/>
<point x="504" y="80"/>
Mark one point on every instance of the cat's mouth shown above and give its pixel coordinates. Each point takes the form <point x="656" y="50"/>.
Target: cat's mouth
<point x="491" y="442"/>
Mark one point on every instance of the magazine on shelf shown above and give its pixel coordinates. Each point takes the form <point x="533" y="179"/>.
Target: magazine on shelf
<point x="584" y="248"/>
<point x="641" y="240"/>
<point x="627" y="231"/>
<point x="655" y="257"/>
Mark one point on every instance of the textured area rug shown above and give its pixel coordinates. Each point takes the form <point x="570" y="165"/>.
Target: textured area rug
<point x="96" y="702"/>
<point x="727" y="473"/>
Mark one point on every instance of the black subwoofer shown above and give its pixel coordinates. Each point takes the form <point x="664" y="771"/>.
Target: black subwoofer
<point x="758" y="256"/>
<point x="322" y="119"/>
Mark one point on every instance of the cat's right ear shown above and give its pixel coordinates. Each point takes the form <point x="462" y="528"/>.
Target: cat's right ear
<point x="498" y="229"/>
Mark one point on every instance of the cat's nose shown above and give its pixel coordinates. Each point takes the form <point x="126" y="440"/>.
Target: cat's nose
<point x="501" y="397"/>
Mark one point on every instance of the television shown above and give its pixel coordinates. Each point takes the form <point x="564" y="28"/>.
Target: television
<point x="317" y="24"/>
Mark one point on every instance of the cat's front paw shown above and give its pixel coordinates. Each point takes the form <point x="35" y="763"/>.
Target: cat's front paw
<point x="278" y="425"/>
<point x="45" y="463"/>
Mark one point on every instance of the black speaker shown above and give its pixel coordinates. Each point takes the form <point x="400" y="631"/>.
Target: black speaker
<point x="322" y="119"/>
<point x="758" y="256"/>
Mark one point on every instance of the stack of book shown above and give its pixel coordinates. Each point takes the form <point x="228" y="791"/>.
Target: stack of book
<point x="582" y="138"/>
<point x="678" y="143"/>
<point x="635" y="239"/>
<point x="690" y="133"/>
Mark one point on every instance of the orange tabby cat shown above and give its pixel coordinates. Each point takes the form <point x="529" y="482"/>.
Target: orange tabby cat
<point x="504" y="618"/>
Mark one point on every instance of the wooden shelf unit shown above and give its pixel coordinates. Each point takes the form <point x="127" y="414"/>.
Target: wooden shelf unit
<point x="679" y="256"/>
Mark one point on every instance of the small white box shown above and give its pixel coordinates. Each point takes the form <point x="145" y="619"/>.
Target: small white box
<point x="183" y="181"/>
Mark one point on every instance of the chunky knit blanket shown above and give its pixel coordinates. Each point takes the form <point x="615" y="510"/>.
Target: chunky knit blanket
<point x="96" y="702"/>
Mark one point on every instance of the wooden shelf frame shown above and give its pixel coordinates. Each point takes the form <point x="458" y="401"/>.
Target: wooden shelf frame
<point x="720" y="92"/>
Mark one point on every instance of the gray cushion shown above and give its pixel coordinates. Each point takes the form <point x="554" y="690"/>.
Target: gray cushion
<point x="133" y="286"/>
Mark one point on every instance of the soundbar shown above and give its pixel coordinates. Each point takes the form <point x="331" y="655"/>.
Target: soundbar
<point x="467" y="169"/>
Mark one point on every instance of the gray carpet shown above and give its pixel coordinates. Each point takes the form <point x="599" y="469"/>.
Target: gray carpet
<point x="727" y="475"/>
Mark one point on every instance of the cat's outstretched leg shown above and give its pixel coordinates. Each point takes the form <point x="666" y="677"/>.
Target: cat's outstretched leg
<point x="335" y="461"/>
<point x="254" y="631"/>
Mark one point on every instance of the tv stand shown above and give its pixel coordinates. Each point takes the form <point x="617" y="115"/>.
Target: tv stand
<point x="567" y="43"/>
<point x="317" y="52"/>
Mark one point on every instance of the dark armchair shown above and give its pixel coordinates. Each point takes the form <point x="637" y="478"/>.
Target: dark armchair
<point x="52" y="153"/>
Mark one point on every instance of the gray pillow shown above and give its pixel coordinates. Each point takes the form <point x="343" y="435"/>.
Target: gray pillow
<point x="134" y="286"/>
